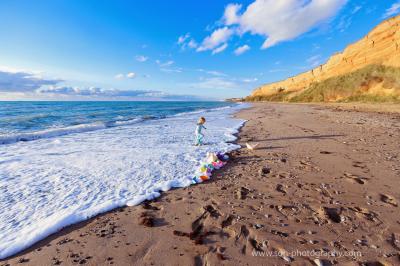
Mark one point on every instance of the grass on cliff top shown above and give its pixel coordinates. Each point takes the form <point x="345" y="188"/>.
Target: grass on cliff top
<point x="351" y="87"/>
<point x="278" y="97"/>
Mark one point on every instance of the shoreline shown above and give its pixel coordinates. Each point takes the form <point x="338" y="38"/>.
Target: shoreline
<point x="13" y="242"/>
<point x="260" y="201"/>
<point x="229" y="144"/>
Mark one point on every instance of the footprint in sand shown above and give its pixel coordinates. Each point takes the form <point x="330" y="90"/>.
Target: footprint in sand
<point x="389" y="199"/>
<point x="279" y="233"/>
<point x="228" y="221"/>
<point x="243" y="237"/>
<point x="256" y="245"/>
<point x="361" y="165"/>
<point x="198" y="260"/>
<point x="334" y="214"/>
<point x="147" y="206"/>
<point x="358" y="179"/>
<point x="365" y="213"/>
<point x="242" y="193"/>
<point x="395" y="241"/>
<point x="321" y="262"/>
<point x="358" y="164"/>
<point x="244" y="233"/>
<point x="56" y="261"/>
<point x="147" y="219"/>
<point x="281" y="188"/>
<point x="199" y="233"/>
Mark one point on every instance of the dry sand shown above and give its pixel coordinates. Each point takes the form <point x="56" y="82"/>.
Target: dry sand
<point x="390" y="108"/>
<point x="321" y="180"/>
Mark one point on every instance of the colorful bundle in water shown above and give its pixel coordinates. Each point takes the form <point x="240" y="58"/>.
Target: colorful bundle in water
<point x="213" y="161"/>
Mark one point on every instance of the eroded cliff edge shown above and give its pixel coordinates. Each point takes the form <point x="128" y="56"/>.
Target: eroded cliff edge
<point x="378" y="52"/>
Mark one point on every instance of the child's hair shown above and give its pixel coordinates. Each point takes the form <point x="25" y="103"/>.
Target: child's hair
<point x="202" y="120"/>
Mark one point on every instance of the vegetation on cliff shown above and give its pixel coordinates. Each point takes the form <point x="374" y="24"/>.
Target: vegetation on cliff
<point x="373" y="83"/>
<point x="365" y="71"/>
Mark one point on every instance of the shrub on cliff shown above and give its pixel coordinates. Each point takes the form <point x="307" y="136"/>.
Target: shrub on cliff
<point x="374" y="83"/>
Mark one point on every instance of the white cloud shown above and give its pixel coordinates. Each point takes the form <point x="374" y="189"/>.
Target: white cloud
<point x="183" y="38"/>
<point x="222" y="83"/>
<point x="344" y="23"/>
<point x="185" y="41"/>
<point x="119" y="76"/>
<point x="393" y="10"/>
<point x="281" y="20"/>
<point x="242" y="49"/>
<point x="92" y="91"/>
<point x="214" y="41"/>
<point x="316" y="46"/>
<point x="215" y="83"/>
<point x="141" y="58"/>
<point x="104" y="94"/>
<point x="250" y="80"/>
<point x="192" y="44"/>
<point x="165" y="64"/>
<point x="171" y="70"/>
<point x="220" y="48"/>
<point x="231" y="14"/>
<point x="23" y="81"/>
<point x="356" y="9"/>
<point x="131" y="75"/>
<point x="168" y="63"/>
<point x="314" y="61"/>
<point x="277" y="70"/>
<point x="215" y="73"/>
<point x="167" y="67"/>
<point x="28" y="85"/>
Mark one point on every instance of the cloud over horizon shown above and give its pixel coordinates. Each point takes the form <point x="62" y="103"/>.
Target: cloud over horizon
<point x="93" y="91"/>
<point x="28" y="84"/>
<point x="100" y="93"/>
<point x="21" y="81"/>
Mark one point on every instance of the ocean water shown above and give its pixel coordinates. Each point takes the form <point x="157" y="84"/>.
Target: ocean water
<point x="64" y="162"/>
<point x="24" y="121"/>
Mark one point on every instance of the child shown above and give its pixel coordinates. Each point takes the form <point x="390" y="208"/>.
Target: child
<point x="199" y="135"/>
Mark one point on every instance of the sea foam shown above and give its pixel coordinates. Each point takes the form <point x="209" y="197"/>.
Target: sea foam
<point x="57" y="132"/>
<point x="51" y="183"/>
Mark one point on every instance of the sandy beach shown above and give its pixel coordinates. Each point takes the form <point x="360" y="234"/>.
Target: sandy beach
<point x="320" y="189"/>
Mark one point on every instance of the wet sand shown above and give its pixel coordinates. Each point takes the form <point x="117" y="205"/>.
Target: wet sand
<point x="321" y="182"/>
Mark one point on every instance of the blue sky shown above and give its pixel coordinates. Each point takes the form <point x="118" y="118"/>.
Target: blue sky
<point x="73" y="50"/>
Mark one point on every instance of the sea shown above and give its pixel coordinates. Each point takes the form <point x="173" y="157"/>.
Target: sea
<point x="65" y="162"/>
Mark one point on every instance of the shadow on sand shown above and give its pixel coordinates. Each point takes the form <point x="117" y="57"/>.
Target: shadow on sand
<point x="314" y="137"/>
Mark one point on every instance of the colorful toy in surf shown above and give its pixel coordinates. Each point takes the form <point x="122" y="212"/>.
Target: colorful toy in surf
<point x="212" y="161"/>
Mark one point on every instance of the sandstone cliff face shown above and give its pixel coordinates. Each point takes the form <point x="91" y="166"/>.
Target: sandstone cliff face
<point x="381" y="47"/>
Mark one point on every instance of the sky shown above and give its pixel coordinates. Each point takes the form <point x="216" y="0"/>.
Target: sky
<point x="170" y="50"/>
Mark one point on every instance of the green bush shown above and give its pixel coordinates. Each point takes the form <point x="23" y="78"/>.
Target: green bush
<point x="280" y="96"/>
<point x="350" y="87"/>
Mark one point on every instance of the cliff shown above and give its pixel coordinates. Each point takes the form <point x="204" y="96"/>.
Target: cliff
<point x="380" y="47"/>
